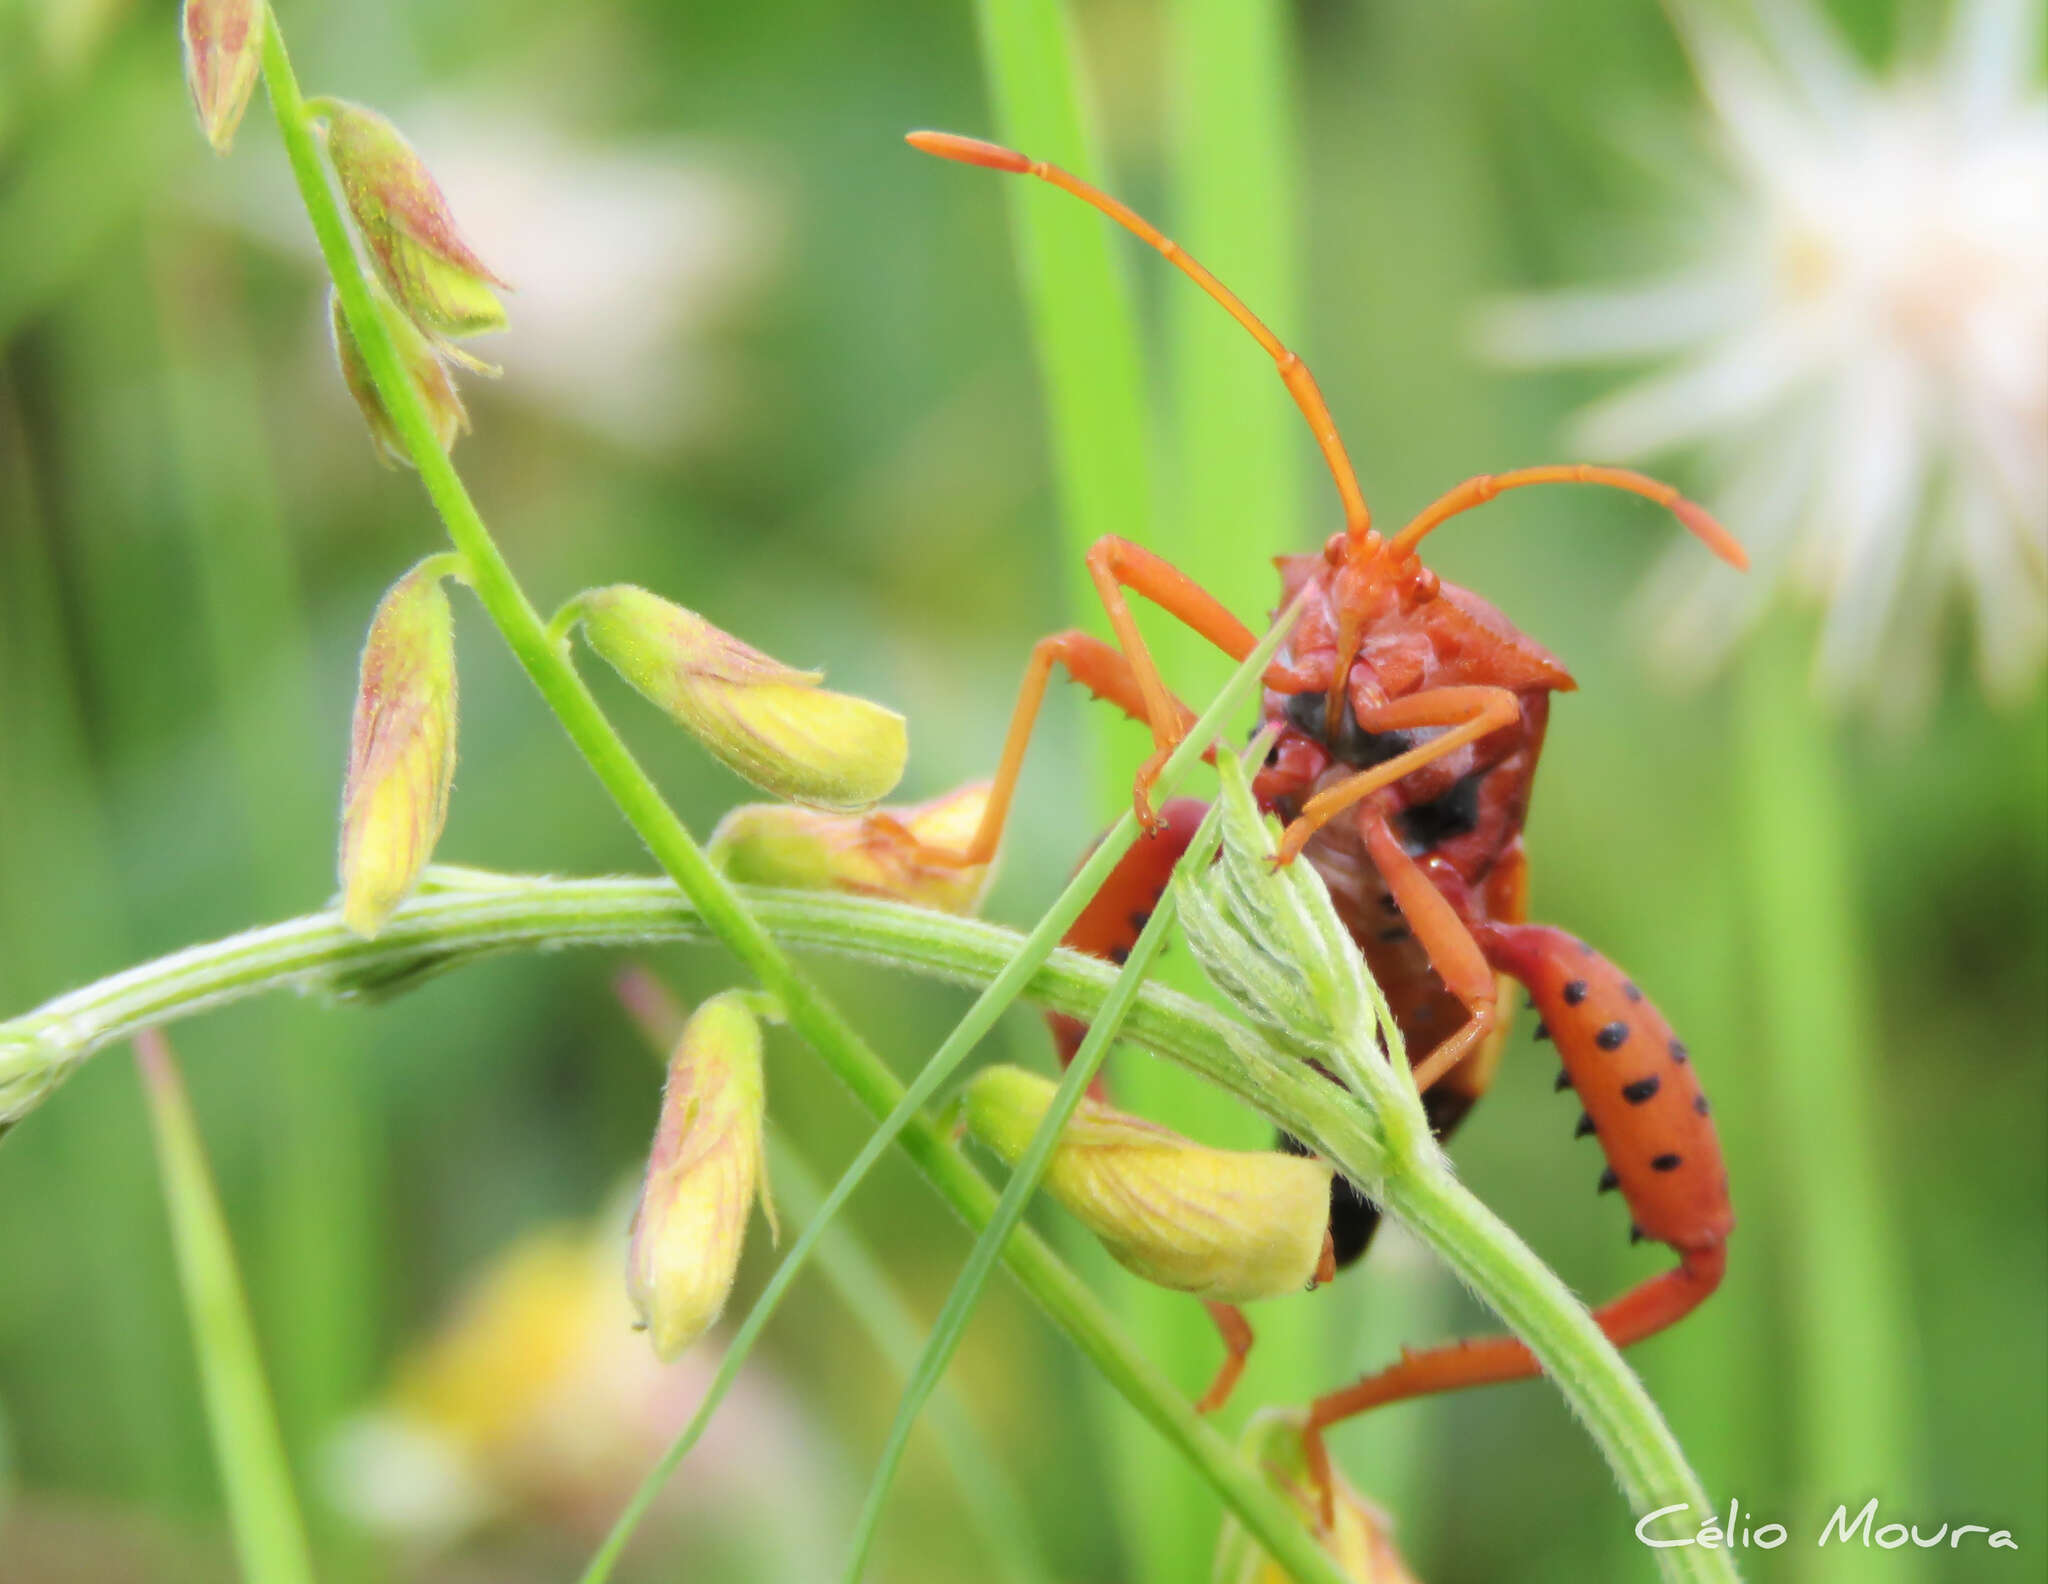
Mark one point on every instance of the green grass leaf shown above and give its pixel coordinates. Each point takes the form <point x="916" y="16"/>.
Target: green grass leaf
<point x="270" y="1539"/>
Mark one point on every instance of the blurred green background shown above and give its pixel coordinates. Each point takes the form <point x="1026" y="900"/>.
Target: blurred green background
<point x="771" y="363"/>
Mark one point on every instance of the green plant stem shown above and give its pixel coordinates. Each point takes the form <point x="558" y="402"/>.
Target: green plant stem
<point x="986" y="1491"/>
<point x="809" y="1013"/>
<point x="270" y="1539"/>
<point x="1604" y="1393"/>
<point x="1854" y="1369"/>
<point x="1025" y="1177"/>
<point x="492" y="913"/>
<point x="871" y="1297"/>
<point x="1005" y="987"/>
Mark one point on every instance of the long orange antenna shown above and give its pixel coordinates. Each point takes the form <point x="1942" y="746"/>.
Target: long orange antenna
<point x="1478" y="491"/>
<point x="1301" y="384"/>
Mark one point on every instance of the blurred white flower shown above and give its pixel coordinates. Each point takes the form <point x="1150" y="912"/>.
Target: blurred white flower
<point x="537" y="1402"/>
<point x="1860" y="350"/>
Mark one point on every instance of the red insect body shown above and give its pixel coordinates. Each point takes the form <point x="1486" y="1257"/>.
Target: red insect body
<point x="1411" y="715"/>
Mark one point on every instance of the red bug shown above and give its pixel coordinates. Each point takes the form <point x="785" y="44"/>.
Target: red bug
<point x="1411" y="715"/>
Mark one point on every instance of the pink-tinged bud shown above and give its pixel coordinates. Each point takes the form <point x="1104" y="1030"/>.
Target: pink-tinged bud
<point x="401" y="749"/>
<point x="1226" y="1225"/>
<point x="901" y="853"/>
<point x="1359" y="1537"/>
<point x="223" y="55"/>
<point x="405" y="223"/>
<point x="765" y="721"/>
<point x="703" y="1176"/>
<point x="423" y="366"/>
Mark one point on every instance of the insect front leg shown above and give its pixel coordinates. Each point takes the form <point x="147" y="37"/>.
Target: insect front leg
<point x="1116" y="564"/>
<point x="1099" y="667"/>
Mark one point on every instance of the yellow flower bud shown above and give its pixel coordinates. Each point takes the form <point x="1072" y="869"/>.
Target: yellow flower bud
<point x="888" y="852"/>
<point x="1359" y="1539"/>
<point x="702" y="1178"/>
<point x="767" y="723"/>
<point x="223" y="55"/>
<point x="1225" y="1225"/>
<point x="406" y="224"/>
<point x="423" y="366"/>
<point x="401" y="748"/>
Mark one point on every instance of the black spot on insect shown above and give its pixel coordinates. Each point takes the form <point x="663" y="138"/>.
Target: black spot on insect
<point x="1585" y="1129"/>
<point x="1564" y="1082"/>
<point x="1119" y="955"/>
<point x="1678" y="1051"/>
<point x="1667" y="1163"/>
<point x="1387" y="901"/>
<point x="1575" y="992"/>
<point x="1398" y="932"/>
<point x="1542" y="1029"/>
<point x="1635" y="1233"/>
<point x="1272" y="756"/>
<point x="1641" y="1090"/>
<point x="1611" y="1035"/>
<point x="1427" y="826"/>
<point x="1609" y="1181"/>
<point x="1629" y="989"/>
<point x="1140" y="919"/>
<point x="1699" y="1104"/>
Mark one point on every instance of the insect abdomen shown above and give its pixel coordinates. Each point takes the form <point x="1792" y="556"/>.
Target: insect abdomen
<point x="1635" y="1079"/>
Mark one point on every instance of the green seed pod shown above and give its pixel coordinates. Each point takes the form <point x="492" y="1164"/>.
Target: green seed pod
<point x="1358" y="1538"/>
<point x="1226" y="1225"/>
<point x="401" y="748"/>
<point x="703" y="1176"/>
<point x="901" y="853"/>
<point x="406" y="224"/>
<point x="223" y="56"/>
<point x="423" y="366"/>
<point x="770" y="724"/>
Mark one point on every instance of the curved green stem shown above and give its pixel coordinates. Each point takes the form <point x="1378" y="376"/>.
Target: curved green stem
<point x="465" y="915"/>
<point x="810" y="1014"/>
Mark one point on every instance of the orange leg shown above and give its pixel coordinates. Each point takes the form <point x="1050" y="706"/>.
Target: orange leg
<point x="1658" y="1303"/>
<point x="1117" y="564"/>
<point x="1128" y="679"/>
<point x="1237" y="1346"/>
<point x="1470" y="712"/>
<point x="1453" y="953"/>
<point x="1237" y="1335"/>
<point x="1098" y="667"/>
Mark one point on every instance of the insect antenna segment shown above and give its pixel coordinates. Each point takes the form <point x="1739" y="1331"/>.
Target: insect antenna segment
<point x="1294" y="374"/>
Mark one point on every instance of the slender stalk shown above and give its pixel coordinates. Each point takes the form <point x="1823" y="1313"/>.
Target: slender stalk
<point x="1488" y="1257"/>
<point x="872" y="1298"/>
<point x="497" y="913"/>
<point x="814" y="1018"/>
<point x="270" y="1539"/>
<point x="1856" y="1379"/>
<point x="880" y="1309"/>
<point x="465" y="915"/>
<point x="1029" y="1172"/>
<point x="1005" y="987"/>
